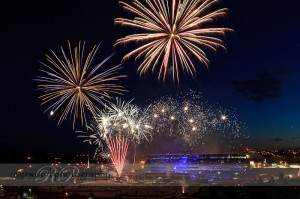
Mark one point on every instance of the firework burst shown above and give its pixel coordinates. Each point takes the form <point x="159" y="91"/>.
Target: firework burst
<point x="120" y="117"/>
<point x="73" y="84"/>
<point x="172" y="31"/>
<point x="190" y="118"/>
<point x="125" y="117"/>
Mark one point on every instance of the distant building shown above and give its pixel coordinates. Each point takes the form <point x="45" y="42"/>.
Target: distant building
<point x="198" y="159"/>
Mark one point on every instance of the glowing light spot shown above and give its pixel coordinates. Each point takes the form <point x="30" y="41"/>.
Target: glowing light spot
<point x="51" y="113"/>
<point x="223" y="117"/>
<point x="172" y="118"/>
<point x="125" y="126"/>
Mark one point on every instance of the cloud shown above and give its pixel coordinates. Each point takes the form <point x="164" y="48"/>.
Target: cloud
<point x="276" y="140"/>
<point x="263" y="88"/>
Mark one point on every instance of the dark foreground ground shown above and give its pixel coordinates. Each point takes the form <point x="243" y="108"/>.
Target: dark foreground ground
<point x="152" y="192"/>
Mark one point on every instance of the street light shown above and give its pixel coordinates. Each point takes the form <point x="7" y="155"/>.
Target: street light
<point x="90" y="197"/>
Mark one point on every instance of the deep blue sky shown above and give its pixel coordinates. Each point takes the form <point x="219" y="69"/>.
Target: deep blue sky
<point x="258" y="75"/>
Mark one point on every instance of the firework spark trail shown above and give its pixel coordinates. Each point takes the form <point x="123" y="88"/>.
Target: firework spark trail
<point x="172" y="33"/>
<point x="118" y="147"/>
<point x="72" y="84"/>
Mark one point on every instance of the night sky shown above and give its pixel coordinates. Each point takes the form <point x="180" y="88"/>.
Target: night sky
<point x="258" y="75"/>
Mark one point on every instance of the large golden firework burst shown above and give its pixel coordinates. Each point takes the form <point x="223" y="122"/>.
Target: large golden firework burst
<point x="172" y="33"/>
<point x="73" y="84"/>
